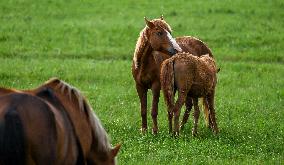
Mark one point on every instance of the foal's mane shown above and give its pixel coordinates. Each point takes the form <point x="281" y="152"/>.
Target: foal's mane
<point x="143" y="40"/>
<point x="98" y="132"/>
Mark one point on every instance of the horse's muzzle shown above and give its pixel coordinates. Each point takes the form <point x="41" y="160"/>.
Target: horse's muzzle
<point x="172" y="51"/>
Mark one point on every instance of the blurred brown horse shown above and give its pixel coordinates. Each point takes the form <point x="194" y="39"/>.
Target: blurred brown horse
<point x="52" y="124"/>
<point x="192" y="77"/>
<point x="154" y="45"/>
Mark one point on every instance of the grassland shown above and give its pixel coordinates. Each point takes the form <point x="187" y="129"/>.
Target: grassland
<point x="90" y="45"/>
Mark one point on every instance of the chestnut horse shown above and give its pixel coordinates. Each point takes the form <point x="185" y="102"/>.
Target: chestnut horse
<point x="52" y="124"/>
<point x="154" y="45"/>
<point x="193" y="77"/>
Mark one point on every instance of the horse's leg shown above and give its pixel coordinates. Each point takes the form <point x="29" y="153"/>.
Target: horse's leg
<point x="156" y="94"/>
<point x="170" y="119"/>
<point x="142" y="93"/>
<point x="170" y="111"/>
<point x="210" y="99"/>
<point x="188" y="105"/>
<point x="177" y="108"/>
<point x="196" y="116"/>
<point x="169" y="100"/>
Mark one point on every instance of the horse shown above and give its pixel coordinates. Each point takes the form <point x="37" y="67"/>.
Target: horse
<point x="155" y="44"/>
<point x="51" y="124"/>
<point x="193" y="77"/>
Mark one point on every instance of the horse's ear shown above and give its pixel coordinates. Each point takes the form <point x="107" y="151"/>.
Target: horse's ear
<point x="115" y="150"/>
<point x="162" y="17"/>
<point x="218" y="70"/>
<point x="149" y="23"/>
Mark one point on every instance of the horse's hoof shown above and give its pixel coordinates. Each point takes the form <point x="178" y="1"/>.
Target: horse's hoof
<point x="143" y="131"/>
<point x="194" y="133"/>
<point x="175" y="134"/>
<point x="209" y="126"/>
<point x="170" y="131"/>
<point x="215" y="132"/>
<point x="181" y="127"/>
<point x="154" y="131"/>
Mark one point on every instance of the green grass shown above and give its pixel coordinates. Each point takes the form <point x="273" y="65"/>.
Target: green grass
<point x="90" y="45"/>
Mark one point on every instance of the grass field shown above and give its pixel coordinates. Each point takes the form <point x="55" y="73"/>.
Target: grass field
<point x="90" y="45"/>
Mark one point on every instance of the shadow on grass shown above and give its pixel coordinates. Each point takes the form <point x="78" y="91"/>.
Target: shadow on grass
<point x="251" y="142"/>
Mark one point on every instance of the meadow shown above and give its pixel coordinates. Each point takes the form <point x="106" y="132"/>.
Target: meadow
<point x="90" y="45"/>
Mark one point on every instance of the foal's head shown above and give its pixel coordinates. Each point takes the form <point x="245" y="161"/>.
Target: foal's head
<point x="159" y="36"/>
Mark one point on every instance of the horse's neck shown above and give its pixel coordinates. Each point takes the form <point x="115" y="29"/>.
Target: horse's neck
<point x="145" y="54"/>
<point x="78" y="117"/>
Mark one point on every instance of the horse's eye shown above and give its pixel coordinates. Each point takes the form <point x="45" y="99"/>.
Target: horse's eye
<point x="159" y="33"/>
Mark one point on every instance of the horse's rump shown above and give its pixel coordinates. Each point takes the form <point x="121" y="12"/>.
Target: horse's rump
<point x="185" y="71"/>
<point x="195" y="73"/>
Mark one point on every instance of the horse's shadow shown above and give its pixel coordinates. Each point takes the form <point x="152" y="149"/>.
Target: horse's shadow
<point x="225" y="136"/>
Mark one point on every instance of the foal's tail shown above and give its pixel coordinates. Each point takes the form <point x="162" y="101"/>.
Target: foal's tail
<point x="206" y="112"/>
<point x="167" y="81"/>
<point x="12" y="143"/>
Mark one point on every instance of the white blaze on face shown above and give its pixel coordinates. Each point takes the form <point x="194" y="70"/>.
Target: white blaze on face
<point x="174" y="43"/>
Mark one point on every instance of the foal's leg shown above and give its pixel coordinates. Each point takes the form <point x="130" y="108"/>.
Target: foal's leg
<point x="142" y="93"/>
<point x="210" y="99"/>
<point x="156" y="94"/>
<point x="177" y="108"/>
<point x="170" y="104"/>
<point x="196" y="116"/>
<point x="170" y="119"/>
<point x="169" y="99"/>
<point x="188" y="105"/>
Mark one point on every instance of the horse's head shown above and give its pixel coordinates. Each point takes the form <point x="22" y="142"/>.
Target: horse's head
<point x="160" y="38"/>
<point x="101" y="151"/>
<point x="108" y="158"/>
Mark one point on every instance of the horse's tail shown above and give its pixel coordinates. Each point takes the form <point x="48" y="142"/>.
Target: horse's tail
<point x="167" y="81"/>
<point x="206" y="112"/>
<point x="12" y="142"/>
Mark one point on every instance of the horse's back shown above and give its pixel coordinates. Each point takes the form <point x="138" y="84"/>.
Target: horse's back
<point x="32" y="116"/>
<point x="193" y="45"/>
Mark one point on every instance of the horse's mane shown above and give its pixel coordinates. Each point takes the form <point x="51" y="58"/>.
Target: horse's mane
<point x="98" y="132"/>
<point x="143" y="39"/>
